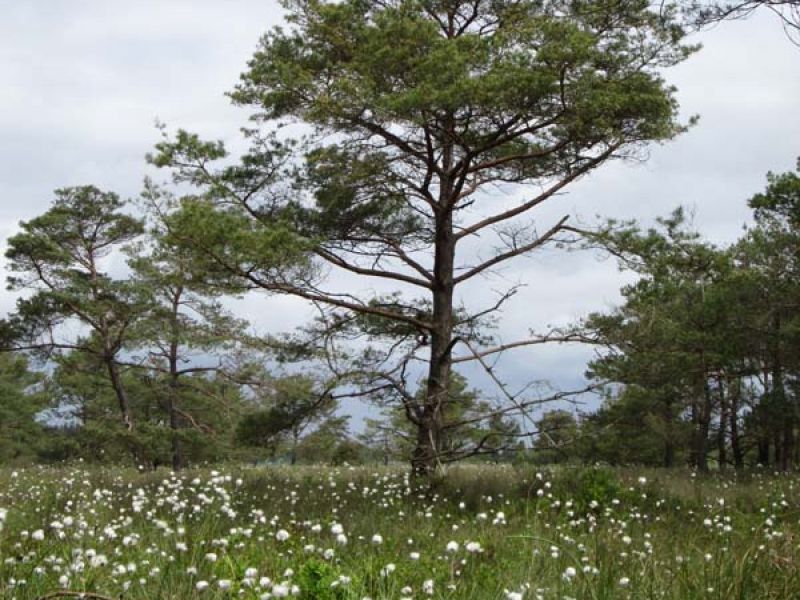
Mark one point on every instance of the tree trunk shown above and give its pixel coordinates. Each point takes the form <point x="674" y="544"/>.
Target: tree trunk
<point x="174" y="424"/>
<point x="137" y="453"/>
<point x="702" y="446"/>
<point x="669" y="454"/>
<point x="669" y="438"/>
<point x="174" y="418"/>
<point x="293" y="451"/>
<point x="427" y="453"/>
<point x="119" y="391"/>
<point x="703" y="427"/>
<point x="701" y="422"/>
<point x="722" y="434"/>
<point x="784" y="434"/>
<point x="736" y="444"/>
<point x="763" y="451"/>
<point x="694" y="457"/>
<point x="788" y="443"/>
<point x="174" y="383"/>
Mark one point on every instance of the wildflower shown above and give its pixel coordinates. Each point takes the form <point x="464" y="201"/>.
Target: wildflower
<point x="201" y="586"/>
<point x="98" y="560"/>
<point x="473" y="547"/>
<point x="377" y="539"/>
<point x="427" y="587"/>
<point x="452" y="547"/>
<point x="282" y="535"/>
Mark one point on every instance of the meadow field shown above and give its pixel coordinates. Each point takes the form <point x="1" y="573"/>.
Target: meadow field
<point x="476" y="532"/>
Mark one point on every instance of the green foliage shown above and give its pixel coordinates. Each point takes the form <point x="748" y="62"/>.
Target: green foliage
<point x="318" y="580"/>
<point x="595" y="486"/>
<point x="703" y="350"/>
<point x="21" y="398"/>
<point x="557" y="436"/>
<point x="329" y="444"/>
<point x="781" y="199"/>
<point x="262" y="429"/>
<point x="59" y="255"/>
<point x="414" y="109"/>
<point x="464" y="421"/>
<point x="287" y="407"/>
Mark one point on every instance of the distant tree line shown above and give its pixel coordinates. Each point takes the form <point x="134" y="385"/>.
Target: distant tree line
<point x="700" y="365"/>
<point x="702" y="360"/>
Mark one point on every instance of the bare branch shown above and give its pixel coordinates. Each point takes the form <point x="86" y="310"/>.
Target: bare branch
<point x="553" y="189"/>
<point x="515" y="251"/>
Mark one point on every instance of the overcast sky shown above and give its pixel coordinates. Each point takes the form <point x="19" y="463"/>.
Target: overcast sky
<point x="83" y="83"/>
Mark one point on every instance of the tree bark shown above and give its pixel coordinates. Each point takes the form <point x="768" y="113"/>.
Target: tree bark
<point x="669" y="439"/>
<point x="722" y="434"/>
<point x="120" y="392"/>
<point x="704" y="417"/>
<point x="702" y="428"/>
<point x="736" y="444"/>
<point x="174" y="376"/>
<point x="174" y="424"/>
<point x="694" y="415"/>
<point x="763" y="451"/>
<point x="784" y="424"/>
<point x="426" y="456"/>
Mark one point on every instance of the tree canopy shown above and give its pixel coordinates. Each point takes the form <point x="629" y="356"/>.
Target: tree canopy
<point x="407" y="113"/>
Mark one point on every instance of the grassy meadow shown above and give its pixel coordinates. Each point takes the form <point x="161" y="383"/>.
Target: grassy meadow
<point x="475" y="532"/>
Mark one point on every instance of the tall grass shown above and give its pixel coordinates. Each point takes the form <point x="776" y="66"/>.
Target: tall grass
<point x="473" y="532"/>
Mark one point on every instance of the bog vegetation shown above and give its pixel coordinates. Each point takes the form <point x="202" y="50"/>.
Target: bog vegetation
<point x="354" y="533"/>
<point x="398" y="154"/>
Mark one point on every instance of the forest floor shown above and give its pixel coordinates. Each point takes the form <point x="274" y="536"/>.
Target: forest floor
<point x="478" y="532"/>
